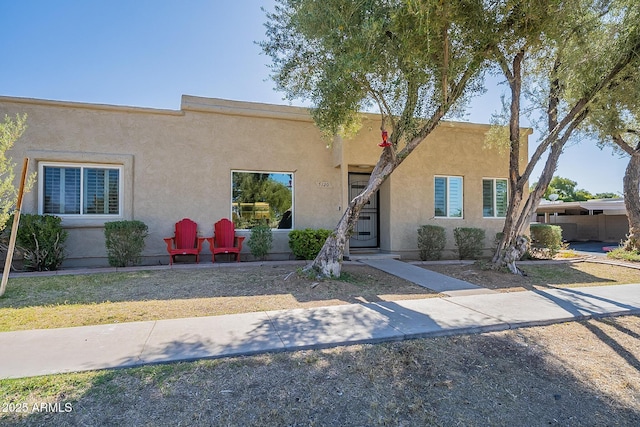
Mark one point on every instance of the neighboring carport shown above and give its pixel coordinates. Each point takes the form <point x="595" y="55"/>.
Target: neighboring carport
<point x="601" y="220"/>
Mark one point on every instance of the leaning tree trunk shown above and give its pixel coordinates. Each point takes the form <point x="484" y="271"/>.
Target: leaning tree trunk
<point x="631" y="185"/>
<point x="514" y="243"/>
<point x="328" y="263"/>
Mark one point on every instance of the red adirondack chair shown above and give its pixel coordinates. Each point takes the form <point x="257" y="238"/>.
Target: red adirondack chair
<point x="224" y="240"/>
<point x="185" y="241"/>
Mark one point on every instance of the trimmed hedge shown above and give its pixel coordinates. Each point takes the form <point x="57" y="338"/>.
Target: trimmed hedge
<point x="306" y="244"/>
<point x="469" y="242"/>
<point x="125" y="242"/>
<point x="546" y="239"/>
<point x="431" y="241"/>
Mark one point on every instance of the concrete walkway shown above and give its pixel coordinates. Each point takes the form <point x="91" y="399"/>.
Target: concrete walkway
<point x="426" y="278"/>
<point x="42" y="352"/>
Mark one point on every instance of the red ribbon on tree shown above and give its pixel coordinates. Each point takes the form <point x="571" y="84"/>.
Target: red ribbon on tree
<point x="384" y="142"/>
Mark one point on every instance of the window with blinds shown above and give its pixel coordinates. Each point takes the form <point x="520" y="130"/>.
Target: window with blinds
<point x="494" y="198"/>
<point x="448" y="196"/>
<point x="80" y="190"/>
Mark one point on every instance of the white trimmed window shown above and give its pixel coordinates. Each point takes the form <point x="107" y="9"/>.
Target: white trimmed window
<point x="80" y="189"/>
<point x="494" y="198"/>
<point x="448" y="196"/>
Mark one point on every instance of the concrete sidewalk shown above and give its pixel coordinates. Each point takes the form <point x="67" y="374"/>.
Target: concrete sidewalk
<point x="42" y="352"/>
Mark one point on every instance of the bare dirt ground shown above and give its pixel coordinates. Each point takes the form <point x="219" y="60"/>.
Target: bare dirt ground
<point x="571" y="374"/>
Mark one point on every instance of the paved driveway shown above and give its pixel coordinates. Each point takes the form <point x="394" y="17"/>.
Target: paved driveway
<point x="591" y="247"/>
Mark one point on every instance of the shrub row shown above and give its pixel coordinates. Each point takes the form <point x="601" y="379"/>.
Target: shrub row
<point x="41" y="239"/>
<point x="432" y="240"/>
<point x="546" y="241"/>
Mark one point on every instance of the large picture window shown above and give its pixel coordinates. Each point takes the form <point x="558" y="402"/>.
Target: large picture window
<point x="80" y="190"/>
<point x="448" y="197"/>
<point x="262" y="198"/>
<point x="494" y="198"/>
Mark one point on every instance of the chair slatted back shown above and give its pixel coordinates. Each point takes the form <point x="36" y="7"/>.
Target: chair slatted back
<point x="224" y="233"/>
<point x="186" y="234"/>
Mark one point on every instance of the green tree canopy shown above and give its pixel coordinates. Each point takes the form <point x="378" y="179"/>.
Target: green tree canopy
<point x="567" y="191"/>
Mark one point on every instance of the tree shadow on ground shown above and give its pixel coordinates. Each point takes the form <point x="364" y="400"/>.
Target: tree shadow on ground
<point x="517" y="377"/>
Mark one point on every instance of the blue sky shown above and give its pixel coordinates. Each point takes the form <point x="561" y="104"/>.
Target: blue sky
<point x="147" y="53"/>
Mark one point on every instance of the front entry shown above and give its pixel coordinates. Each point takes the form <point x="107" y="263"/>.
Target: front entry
<point x="366" y="231"/>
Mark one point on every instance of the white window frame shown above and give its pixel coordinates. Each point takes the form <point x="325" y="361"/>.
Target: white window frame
<point x="494" y="198"/>
<point x="82" y="166"/>
<point x="293" y="200"/>
<point x="447" y="189"/>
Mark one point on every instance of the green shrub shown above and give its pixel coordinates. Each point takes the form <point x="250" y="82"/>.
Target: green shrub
<point x="546" y="240"/>
<point x="306" y="244"/>
<point x="260" y="241"/>
<point x="469" y="241"/>
<point x="41" y="240"/>
<point x="125" y="242"/>
<point x="431" y="241"/>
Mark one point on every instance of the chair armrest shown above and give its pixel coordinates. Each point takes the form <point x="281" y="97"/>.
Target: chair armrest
<point x="200" y="242"/>
<point x="240" y="240"/>
<point x="169" y="242"/>
<point x="210" y="240"/>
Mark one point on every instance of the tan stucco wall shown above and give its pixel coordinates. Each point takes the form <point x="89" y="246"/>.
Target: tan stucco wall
<point x="407" y="199"/>
<point x="178" y="164"/>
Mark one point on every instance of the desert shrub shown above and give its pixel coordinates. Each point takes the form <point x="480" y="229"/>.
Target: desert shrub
<point x="546" y="240"/>
<point x="41" y="240"/>
<point x="622" y="254"/>
<point x="125" y="242"/>
<point x="431" y="241"/>
<point x="260" y="240"/>
<point x="469" y="241"/>
<point x="306" y="244"/>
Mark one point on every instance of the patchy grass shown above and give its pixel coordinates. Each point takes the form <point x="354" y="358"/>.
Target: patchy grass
<point x="91" y="299"/>
<point x="577" y="373"/>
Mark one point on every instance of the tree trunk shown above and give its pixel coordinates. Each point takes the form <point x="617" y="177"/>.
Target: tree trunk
<point x="631" y="185"/>
<point x="514" y="242"/>
<point x="328" y="263"/>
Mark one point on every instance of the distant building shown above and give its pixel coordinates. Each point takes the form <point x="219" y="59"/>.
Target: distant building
<point x="602" y="220"/>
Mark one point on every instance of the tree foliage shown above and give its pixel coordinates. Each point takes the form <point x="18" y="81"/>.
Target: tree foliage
<point x="587" y="47"/>
<point x="401" y="58"/>
<point x="567" y="191"/>
<point x="413" y="61"/>
<point x="10" y="131"/>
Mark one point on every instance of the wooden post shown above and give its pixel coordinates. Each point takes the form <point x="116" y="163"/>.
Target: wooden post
<point x="14" y="228"/>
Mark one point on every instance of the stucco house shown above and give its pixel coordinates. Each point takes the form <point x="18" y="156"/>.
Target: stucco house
<point x="98" y="163"/>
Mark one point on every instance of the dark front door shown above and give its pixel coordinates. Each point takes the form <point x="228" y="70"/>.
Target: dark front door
<point x="365" y="233"/>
